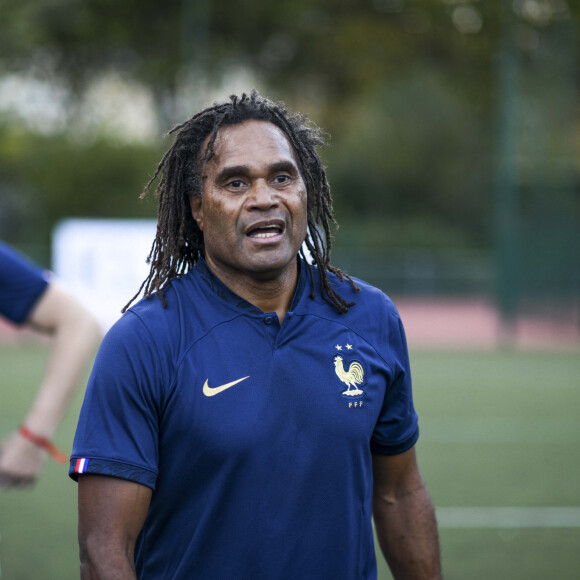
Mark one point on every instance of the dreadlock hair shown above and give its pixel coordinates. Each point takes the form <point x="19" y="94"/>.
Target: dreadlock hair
<point x="179" y="242"/>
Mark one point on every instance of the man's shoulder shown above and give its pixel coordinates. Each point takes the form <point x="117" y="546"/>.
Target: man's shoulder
<point x="373" y="296"/>
<point x="365" y="295"/>
<point x="14" y="264"/>
<point x="186" y="311"/>
<point x="21" y="284"/>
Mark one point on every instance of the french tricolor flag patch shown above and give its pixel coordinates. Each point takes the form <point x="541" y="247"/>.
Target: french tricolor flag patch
<point x="81" y="465"/>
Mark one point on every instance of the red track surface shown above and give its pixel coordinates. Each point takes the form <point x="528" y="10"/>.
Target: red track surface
<point x="476" y="324"/>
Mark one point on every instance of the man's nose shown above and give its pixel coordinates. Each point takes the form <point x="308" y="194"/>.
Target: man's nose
<point x="262" y="195"/>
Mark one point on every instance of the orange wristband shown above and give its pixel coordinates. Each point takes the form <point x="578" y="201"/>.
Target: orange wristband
<point x="44" y="443"/>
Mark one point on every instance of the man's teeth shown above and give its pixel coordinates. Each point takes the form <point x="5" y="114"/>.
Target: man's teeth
<point x="266" y="232"/>
<point x="266" y="235"/>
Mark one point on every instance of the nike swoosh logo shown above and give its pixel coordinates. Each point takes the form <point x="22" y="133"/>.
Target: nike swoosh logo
<point x="210" y="392"/>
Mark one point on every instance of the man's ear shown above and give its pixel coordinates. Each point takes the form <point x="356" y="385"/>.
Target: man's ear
<point x="196" y="204"/>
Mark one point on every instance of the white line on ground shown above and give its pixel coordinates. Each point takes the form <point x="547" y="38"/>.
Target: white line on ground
<point x="508" y="517"/>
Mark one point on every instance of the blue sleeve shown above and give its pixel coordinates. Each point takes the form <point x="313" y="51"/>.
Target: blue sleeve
<point x="397" y="428"/>
<point x="21" y="284"/>
<point x="117" y="432"/>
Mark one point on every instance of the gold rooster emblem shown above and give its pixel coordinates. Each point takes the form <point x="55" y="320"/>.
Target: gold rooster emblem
<point x="351" y="378"/>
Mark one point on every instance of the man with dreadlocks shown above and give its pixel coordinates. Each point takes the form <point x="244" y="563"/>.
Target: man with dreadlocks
<point x="250" y="413"/>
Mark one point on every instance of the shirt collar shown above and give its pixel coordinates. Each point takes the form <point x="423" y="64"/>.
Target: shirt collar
<point x="218" y="288"/>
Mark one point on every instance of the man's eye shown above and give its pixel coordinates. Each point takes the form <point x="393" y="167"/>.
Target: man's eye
<point x="236" y="183"/>
<point x="281" y="179"/>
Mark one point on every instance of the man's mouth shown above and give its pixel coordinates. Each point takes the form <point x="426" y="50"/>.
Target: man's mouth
<point x="265" y="230"/>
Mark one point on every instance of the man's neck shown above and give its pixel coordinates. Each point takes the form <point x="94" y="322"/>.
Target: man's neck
<point x="269" y="293"/>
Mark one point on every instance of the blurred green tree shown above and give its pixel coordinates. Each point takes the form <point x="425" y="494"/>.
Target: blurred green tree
<point x="405" y="87"/>
<point x="45" y="179"/>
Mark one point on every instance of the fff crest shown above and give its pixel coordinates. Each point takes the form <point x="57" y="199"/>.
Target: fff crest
<point x="349" y="372"/>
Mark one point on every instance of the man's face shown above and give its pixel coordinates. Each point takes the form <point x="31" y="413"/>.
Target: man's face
<point x="253" y="210"/>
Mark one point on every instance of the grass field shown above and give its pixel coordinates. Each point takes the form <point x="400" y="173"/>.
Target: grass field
<point x="499" y="430"/>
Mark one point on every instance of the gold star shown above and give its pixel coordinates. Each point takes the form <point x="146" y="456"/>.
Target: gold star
<point x="338" y="347"/>
<point x="349" y="346"/>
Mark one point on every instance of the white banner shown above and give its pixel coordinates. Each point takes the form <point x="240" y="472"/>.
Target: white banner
<point x="102" y="261"/>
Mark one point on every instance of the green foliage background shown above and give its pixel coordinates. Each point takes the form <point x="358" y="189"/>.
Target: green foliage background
<point x="412" y="102"/>
<point x="45" y="179"/>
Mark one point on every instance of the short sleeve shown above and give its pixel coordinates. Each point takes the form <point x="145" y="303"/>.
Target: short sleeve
<point x="22" y="284"/>
<point x="117" y="432"/>
<point x="396" y="430"/>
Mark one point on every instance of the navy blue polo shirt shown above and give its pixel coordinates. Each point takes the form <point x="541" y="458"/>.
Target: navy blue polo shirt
<point x="255" y="438"/>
